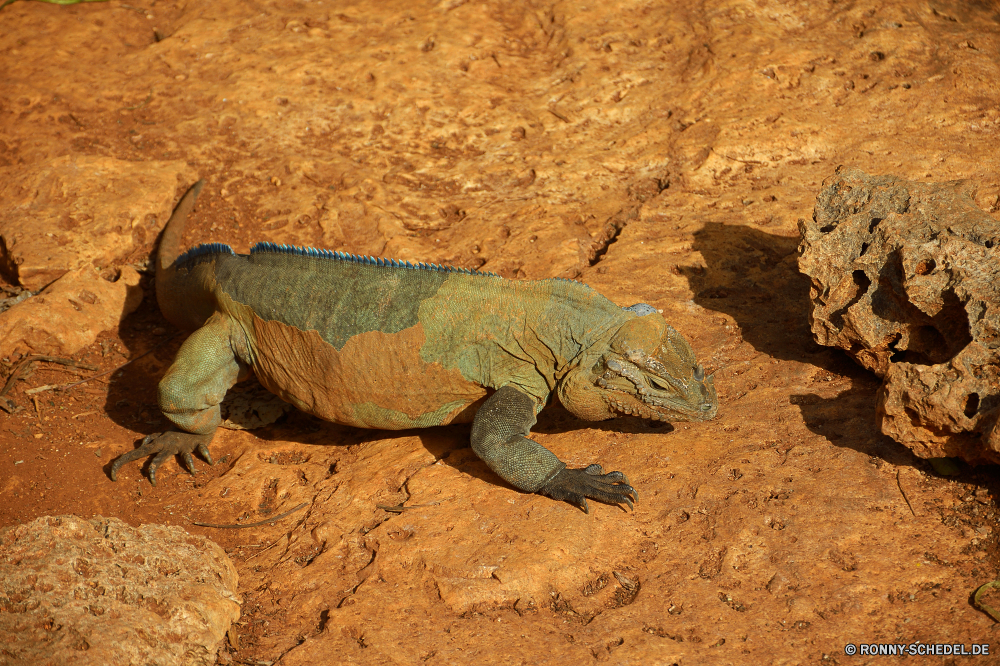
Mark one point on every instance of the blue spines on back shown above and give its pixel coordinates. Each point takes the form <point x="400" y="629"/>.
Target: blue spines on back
<point x="641" y="309"/>
<point x="207" y="250"/>
<point x="202" y="251"/>
<point x="337" y="255"/>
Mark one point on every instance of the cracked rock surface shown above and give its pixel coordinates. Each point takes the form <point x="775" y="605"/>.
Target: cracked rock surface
<point x="906" y="279"/>
<point x="75" y="591"/>
<point x="80" y="211"/>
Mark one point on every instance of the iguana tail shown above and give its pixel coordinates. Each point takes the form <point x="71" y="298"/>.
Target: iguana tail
<point x="171" y="302"/>
<point x="170" y="241"/>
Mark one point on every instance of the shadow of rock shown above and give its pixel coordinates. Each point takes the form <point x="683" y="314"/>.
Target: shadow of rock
<point x="848" y="421"/>
<point x="752" y="276"/>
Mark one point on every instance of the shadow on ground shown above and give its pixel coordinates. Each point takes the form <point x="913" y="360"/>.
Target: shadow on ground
<point x="753" y="277"/>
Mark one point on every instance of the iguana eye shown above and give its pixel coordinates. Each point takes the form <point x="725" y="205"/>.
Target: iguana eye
<point x="659" y="382"/>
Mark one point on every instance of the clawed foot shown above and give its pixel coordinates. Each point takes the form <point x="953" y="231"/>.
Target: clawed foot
<point x="164" y="445"/>
<point x="576" y="485"/>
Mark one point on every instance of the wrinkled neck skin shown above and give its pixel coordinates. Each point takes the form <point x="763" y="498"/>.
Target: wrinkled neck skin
<point x="642" y="368"/>
<point x="552" y="327"/>
<point x="578" y="391"/>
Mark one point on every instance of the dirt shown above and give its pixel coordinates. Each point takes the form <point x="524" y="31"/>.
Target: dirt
<point x="661" y="153"/>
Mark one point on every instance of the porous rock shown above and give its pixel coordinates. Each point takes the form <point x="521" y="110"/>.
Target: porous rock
<point x="906" y="279"/>
<point x="75" y="591"/>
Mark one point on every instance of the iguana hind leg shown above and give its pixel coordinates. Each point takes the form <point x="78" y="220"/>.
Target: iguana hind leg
<point x="189" y="395"/>
<point x="499" y="437"/>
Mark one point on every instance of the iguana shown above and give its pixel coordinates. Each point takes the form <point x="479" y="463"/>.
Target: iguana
<point x="379" y="343"/>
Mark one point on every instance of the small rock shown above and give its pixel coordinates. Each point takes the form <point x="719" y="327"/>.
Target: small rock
<point x="70" y="313"/>
<point x="250" y="406"/>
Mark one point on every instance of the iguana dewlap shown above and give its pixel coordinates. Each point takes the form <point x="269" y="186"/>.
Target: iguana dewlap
<point x="377" y="343"/>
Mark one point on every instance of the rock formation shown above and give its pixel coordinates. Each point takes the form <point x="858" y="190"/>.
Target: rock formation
<point x="906" y="279"/>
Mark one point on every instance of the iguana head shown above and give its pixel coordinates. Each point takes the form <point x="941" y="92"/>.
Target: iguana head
<point x="644" y="369"/>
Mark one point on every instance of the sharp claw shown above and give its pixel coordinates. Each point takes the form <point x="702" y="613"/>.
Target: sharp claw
<point x="578" y="485"/>
<point x="203" y="452"/>
<point x="125" y="459"/>
<point x="158" y="460"/>
<point x="165" y="445"/>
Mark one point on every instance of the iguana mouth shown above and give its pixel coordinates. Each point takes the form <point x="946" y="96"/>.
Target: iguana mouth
<point x="645" y="388"/>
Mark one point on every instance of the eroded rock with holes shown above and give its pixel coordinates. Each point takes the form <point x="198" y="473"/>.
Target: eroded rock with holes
<point x="906" y="279"/>
<point x="75" y="591"/>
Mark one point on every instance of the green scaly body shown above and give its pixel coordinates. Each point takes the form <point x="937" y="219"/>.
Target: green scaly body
<point x="383" y="344"/>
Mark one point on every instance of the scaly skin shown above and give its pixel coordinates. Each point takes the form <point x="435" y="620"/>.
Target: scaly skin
<point x="380" y="344"/>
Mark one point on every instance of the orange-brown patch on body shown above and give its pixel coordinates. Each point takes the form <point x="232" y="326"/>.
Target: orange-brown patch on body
<point x="377" y="380"/>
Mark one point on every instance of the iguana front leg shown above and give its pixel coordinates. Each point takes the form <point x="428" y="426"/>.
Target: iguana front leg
<point x="189" y="395"/>
<point x="499" y="437"/>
